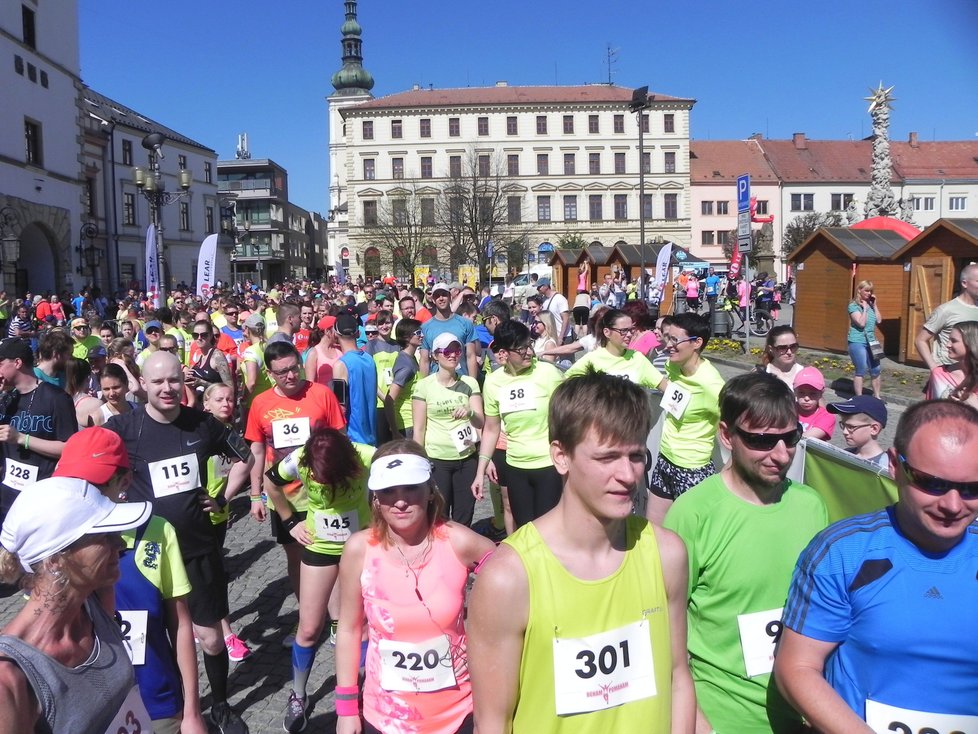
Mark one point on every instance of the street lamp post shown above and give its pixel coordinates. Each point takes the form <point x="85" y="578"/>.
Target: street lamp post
<point x="641" y="102"/>
<point x="152" y="186"/>
<point x="11" y="242"/>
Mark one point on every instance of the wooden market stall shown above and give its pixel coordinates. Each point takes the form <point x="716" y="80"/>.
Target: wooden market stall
<point x="564" y="264"/>
<point x="930" y="266"/>
<point x="828" y="265"/>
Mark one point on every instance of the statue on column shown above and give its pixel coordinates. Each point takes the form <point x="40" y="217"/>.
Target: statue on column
<point x="880" y="201"/>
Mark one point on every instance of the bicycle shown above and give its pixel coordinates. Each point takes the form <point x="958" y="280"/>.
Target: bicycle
<point x="761" y="321"/>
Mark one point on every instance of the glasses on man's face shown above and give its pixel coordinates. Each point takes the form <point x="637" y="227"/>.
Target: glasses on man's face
<point x="230" y="313"/>
<point x="852" y="427"/>
<point x="785" y="348"/>
<point x="168" y="349"/>
<point x="767" y="441"/>
<point x="83" y="327"/>
<point x="934" y="485"/>
<point x="283" y="371"/>
<point x="201" y="334"/>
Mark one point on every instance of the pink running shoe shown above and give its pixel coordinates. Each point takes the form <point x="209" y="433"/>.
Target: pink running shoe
<point x="237" y="650"/>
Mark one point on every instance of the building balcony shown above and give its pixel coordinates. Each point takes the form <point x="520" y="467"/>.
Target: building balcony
<point x="251" y="252"/>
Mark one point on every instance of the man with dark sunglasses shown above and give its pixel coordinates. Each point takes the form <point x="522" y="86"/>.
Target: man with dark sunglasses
<point x="873" y="637"/>
<point x="743" y="529"/>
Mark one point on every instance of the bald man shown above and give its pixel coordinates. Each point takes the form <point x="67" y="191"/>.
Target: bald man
<point x="169" y="445"/>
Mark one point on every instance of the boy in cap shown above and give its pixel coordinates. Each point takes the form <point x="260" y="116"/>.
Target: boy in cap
<point x="861" y="419"/>
<point x="815" y="420"/>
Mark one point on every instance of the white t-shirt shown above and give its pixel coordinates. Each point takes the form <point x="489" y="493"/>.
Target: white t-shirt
<point x="557" y="305"/>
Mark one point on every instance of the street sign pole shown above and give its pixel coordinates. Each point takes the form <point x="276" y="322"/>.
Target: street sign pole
<point x="744" y="244"/>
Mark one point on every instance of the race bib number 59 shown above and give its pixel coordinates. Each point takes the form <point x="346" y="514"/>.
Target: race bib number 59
<point x="603" y="670"/>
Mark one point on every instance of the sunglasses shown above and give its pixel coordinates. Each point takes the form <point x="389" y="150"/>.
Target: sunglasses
<point x="418" y="332"/>
<point x="450" y="352"/>
<point x="785" y="348"/>
<point x="767" y="441"/>
<point x="937" y="486"/>
<point x="201" y="334"/>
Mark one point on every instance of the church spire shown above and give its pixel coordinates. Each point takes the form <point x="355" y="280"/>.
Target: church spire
<point x="352" y="78"/>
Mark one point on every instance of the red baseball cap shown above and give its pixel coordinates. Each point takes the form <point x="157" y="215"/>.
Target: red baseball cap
<point x="326" y="323"/>
<point x="93" y="454"/>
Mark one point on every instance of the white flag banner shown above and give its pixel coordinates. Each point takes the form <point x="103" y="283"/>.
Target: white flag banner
<point x="152" y="267"/>
<point x="206" y="266"/>
<point x="662" y="265"/>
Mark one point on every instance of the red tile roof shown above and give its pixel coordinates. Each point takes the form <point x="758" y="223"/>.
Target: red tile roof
<point x="721" y="161"/>
<point x="937" y="160"/>
<point x="507" y="95"/>
<point x="821" y="161"/>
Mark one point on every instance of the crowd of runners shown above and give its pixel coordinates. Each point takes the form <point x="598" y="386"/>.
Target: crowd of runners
<point x="675" y="584"/>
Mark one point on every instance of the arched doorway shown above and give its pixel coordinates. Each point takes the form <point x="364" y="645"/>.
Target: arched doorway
<point x="371" y="264"/>
<point x="36" y="269"/>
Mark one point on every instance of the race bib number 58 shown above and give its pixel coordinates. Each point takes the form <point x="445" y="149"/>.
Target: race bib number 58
<point x="603" y="670"/>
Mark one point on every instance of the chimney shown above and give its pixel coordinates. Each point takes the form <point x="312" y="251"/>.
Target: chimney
<point x="502" y="83"/>
<point x="756" y="136"/>
<point x="913" y="140"/>
<point x="416" y="87"/>
<point x="799" y="140"/>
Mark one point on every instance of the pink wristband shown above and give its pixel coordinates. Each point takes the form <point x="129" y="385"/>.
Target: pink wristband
<point x="346" y="691"/>
<point x="347" y="707"/>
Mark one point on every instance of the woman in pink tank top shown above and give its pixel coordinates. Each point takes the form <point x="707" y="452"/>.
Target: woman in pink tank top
<point x="404" y="579"/>
<point x="322" y="353"/>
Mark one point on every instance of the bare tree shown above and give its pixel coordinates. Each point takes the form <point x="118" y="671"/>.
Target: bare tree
<point x="407" y="231"/>
<point x="473" y="212"/>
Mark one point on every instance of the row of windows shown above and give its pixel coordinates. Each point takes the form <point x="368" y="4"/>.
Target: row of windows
<point x="512" y="126"/>
<point x="955" y="203"/>
<point x="129" y="213"/>
<point x="514" y="209"/>
<point x="806" y="202"/>
<point x="711" y="237"/>
<point x="709" y="208"/>
<point x="32" y="71"/>
<point x="484" y="165"/>
<point x="127" y="160"/>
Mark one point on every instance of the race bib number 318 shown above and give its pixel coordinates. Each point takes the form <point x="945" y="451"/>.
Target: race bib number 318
<point x="603" y="670"/>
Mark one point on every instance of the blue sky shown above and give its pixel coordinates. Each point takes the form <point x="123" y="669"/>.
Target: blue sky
<point x="213" y="69"/>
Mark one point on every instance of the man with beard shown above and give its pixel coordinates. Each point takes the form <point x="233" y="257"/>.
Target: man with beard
<point x="744" y="529"/>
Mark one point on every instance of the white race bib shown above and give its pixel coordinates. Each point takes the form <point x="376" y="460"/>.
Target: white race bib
<point x="416" y="667"/>
<point x="516" y="399"/>
<point x="675" y="400"/>
<point x="336" y="527"/>
<point x="388" y="376"/>
<point x="132" y="717"/>
<point x="463" y="437"/>
<point x="290" y="432"/>
<point x="759" y="633"/>
<point x="603" y="670"/>
<point x="134" y="634"/>
<point x="885" y="719"/>
<point x="222" y="466"/>
<point x="173" y="476"/>
<point x="18" y="475"/>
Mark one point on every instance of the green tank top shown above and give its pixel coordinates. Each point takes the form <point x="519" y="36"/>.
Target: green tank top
<point x="590" y="666"/>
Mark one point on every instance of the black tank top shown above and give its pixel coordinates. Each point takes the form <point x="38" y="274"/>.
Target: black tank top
<point x="203" y="371"/>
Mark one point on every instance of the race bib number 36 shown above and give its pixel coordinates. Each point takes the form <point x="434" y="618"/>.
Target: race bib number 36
<point x="759" y="633"/>
<point x="416" y="667"/>
<point x="884" y="719"/>
<point x="18" y="475"/>
<point x="603" y="670"/>
<point x="173" y="476"/>
<point x="290" y="432"/>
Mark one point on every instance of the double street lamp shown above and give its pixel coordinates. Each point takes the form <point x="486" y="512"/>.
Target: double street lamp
<point x="10" y="252"/>
<point x="641" y="102"/>
<point x="88" y="254"/>
<point x="153" y="188"/>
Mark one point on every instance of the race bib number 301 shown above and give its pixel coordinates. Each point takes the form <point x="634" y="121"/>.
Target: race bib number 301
<point x="884" y="719"/>
<point x="603" y="670"/>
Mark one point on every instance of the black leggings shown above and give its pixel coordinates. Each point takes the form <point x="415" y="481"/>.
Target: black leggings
<point x="454" y="480"/>
<point x="532" y="492"/>
<point x="467" y="727"/>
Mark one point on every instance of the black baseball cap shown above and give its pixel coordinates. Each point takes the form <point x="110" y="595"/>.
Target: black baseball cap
<point x="16" y="348"/>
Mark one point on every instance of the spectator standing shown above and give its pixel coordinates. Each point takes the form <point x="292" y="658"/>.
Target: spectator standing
<point x="864" y="317"/>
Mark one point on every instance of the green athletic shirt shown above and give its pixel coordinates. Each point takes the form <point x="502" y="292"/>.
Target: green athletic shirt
<point x="158" y="557"/>
<point x="527" y="432"/>
<point x="632" y="365"/>
<point x="217" y="480"/>
<point x="741" y="557"/>
<point x="384" y="362"/>
<point x="688" y="442"/>
<point x="563" y="606"/>
<point x="329" y="522"/>
<point x="439" y="403"/>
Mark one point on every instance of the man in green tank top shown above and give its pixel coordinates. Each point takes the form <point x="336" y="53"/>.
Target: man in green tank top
<point x="592" y="637"/>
